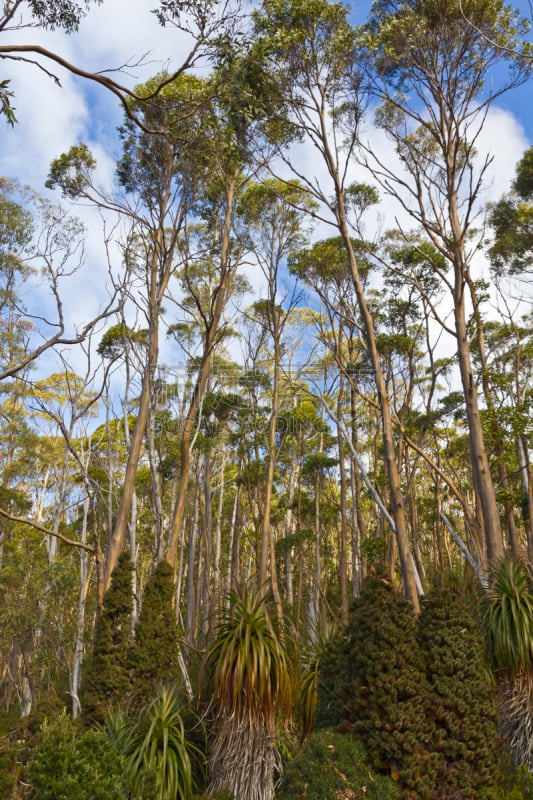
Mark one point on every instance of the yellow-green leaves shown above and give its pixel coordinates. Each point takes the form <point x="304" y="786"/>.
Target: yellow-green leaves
<point x="462" y="36"/>
<point x="72" y="171"/>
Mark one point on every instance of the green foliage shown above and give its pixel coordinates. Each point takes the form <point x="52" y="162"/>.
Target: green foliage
<point x="508" y="621"/>
<point x="374" y="549"/>
<point x="12" y="736"/>
<point x="513" y="783"/>
<point x="6" y="107"/>
<point x="248" y="663"/>
<point x="333" y="682"/>
<point x="68" y="766"/>
<point x="179" y="110"/>
<point x="324" y="261"/>
<point x="332" y="766"/>
<point x="157" y="637"/>
<point x="307" y="670"/>
<point x="275" y="208"/>
<point x="35" y="635"/>
<point x="388" y="699"/>
<point x="306" y="37"/>
<point x="405" y="35"/>
<point x="158" y="751"/>
<point x="512" y="221"/>
<point x="16" y="227"/>
<point x="106" y="674"/>
<point x="462" y="700"/>
<point x="249" y="672"/>
<point x="72" y="171"/>
<point x="64" y="14"/>
<point x="508" y="617"/>
<point x="115" y="340"/>
<point x="523" y="183"/>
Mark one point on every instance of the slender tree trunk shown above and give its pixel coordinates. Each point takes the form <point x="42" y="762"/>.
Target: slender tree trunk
<point x="266" y="550"/>
<point x="343" y="544"/>
<point x="483" y="483"/>
<point x="190" y="610"/>
<point x="387" y="430"/>
<point x="60" y="503"/>
<point x="357" y="520"/>
<point x="526" y="474"/>
<point x="118" y="537"/>
<point x="218" y="527"/>
<point x="482" y="478"/>
<point x="514" y="541"/>
<point x="80" y="624"/>
<point x="289" y="532"/>
<point x="157" y="498"/>
<point x="233" y="546"/>
<point x="159" y="271"/>
<point x="220" y="299"/>
<point x="207" y="527"/>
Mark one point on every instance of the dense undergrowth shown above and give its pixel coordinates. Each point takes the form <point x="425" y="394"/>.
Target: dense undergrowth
<point x="405" y="709"/>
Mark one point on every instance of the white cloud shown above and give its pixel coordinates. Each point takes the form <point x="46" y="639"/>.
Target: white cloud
<point x="52" y="118"/>
<point x="503" y="137"/>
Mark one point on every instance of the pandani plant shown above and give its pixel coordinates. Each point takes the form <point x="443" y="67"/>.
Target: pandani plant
<point x="508" y="618"/>
<point x="249" y="675"/>
<point x="308" y="659"/>
<point x="159" y="757"/>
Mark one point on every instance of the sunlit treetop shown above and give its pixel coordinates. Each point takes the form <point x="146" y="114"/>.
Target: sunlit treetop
<point x="461" y="39"/>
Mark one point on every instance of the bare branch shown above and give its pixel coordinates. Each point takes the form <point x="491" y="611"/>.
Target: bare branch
<point x="47" y="531"/>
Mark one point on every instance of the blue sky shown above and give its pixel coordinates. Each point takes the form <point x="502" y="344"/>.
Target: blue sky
<point x="52" y="118"/>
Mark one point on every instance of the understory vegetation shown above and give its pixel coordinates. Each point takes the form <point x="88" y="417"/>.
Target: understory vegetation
<point x="398" y="706"/>
<point x="266" y="490"/>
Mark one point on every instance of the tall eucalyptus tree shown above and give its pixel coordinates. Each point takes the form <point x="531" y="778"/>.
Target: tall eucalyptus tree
<point x="274" y="213"/>
<point x="160" y="175"/>
<point x="432" y="66"/>
<point x="310" y="49"/>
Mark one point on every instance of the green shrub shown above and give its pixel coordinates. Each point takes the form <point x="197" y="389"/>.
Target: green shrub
<point x="156" y="649"/>
<point x="462" y="701"/>
<point x="12" y="740"/>
<point x="513" y="783"/>
<point x="68" y="766"/>
<point x="158" y="750"/>
<point x="106" y="678"/>
<point x="388" y="703"/>
<point x="333" y="766"/>
<point x="333" y="683"/>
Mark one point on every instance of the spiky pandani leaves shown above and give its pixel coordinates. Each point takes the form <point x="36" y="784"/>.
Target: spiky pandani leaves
<point x="508" y="617"/>
<point x="306" y="671"/>
<point x="508" y="620"/>
<point x="250" y="674"/>
<point x="248" y="663"/>
<point x="158" y="753"/>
